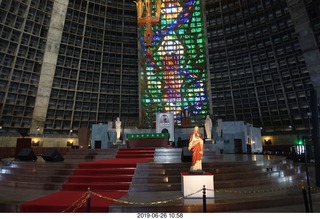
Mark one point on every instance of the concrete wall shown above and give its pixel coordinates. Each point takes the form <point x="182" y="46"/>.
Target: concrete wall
<point x="10" y="141"/>
<point x="61" y="141"/>
<point x="232" y="131"/>
<point x="281" y="139"/>
<point x="183" y="133"/>
<point x="256" y="140"/>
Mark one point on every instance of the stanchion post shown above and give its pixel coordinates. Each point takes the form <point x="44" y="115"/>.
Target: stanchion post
<point x="88" y="201"/>
<point x="304" y="193"/>
<point x="307" y="170"/>
<point x="204" y="199"/>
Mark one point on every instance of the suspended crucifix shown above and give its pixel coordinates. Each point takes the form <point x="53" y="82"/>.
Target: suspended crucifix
<point x="148" y="20"/>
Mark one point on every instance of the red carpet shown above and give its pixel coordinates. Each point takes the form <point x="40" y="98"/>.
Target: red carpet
<point x="135" y="153"/>
<point x="65" y="201"/>
<point x="110" y="179"/>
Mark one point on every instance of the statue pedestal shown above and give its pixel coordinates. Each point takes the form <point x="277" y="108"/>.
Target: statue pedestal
<point x="192" y="183"/>
<point x="209" y="145"/>
<point x="219" y="146"/>
<point x="119" y="144"/>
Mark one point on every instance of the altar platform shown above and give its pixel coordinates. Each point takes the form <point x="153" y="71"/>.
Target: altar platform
<point x="242" y="182"/>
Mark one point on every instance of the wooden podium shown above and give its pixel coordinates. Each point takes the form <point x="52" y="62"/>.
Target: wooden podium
<point x="185" y="122"/>
<point x="22" y="143"/>
<point x="83" y="137"/>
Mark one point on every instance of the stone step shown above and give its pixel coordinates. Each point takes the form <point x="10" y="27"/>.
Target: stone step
<point x="153" y="177"/>
<point x="231" y="173"/>
<point x="49" y="175"/>
<point x="34" y="178"/>
<point x="32" y="185"/>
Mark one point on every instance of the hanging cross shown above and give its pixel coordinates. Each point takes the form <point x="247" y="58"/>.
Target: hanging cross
<point x="148" y="20"/>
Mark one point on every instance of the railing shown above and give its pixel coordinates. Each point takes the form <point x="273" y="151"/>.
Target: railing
<point x="86" y="197"/>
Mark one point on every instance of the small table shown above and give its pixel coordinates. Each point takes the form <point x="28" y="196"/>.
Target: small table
<point x="148" y="140"/>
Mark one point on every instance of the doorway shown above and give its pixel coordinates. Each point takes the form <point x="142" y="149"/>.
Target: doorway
<point x="238" y="146"/>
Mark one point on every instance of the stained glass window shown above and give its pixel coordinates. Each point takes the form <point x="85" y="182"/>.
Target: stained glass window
<point x="174" y="78"/>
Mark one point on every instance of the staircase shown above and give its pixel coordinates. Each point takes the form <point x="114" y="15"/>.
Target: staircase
<point x="108" y="175"/>
<point x="253" y="181"/>
<point x="102" y="177"/>
<point x="241" y="182"/>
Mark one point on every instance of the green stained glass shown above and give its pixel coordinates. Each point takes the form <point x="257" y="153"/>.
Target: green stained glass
<point x="176" y="73"/>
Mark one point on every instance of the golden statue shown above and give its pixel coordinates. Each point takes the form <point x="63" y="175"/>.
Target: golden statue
<point x="148" y="20"/>
<point x="140" y="5"/>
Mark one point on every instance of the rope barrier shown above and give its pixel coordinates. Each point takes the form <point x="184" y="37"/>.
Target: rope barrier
<point x="86" y="197"/>
<point x="80" y="200"/>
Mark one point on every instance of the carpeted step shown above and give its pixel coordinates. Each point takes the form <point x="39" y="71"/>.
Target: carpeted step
<point x="104" y="171"/>
<point x="136" y="149"/>
<point x="113" y="163"/>
<point x="112" y="175"/>
<point x="105" y="165"/>
<point x="135" y="153"/>
<point x="117" y="186"/>
<point x="100" y="179"/>
<point x="64" y="201"/>
<point x="104" y="175"/>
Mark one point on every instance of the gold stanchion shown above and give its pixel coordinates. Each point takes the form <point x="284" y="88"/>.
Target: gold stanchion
<point x="304" y="193"/>
<point x="88" y="200"/>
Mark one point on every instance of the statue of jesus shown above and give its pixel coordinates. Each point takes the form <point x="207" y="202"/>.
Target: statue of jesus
<point x="196" y="146"/>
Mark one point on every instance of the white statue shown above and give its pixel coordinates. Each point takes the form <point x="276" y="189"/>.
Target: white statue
<point x="208" y="126"/>
<point x="118" y="127"/>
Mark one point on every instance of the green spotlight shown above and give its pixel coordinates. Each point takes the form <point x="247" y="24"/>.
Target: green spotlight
<point x="299" y="142"/>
